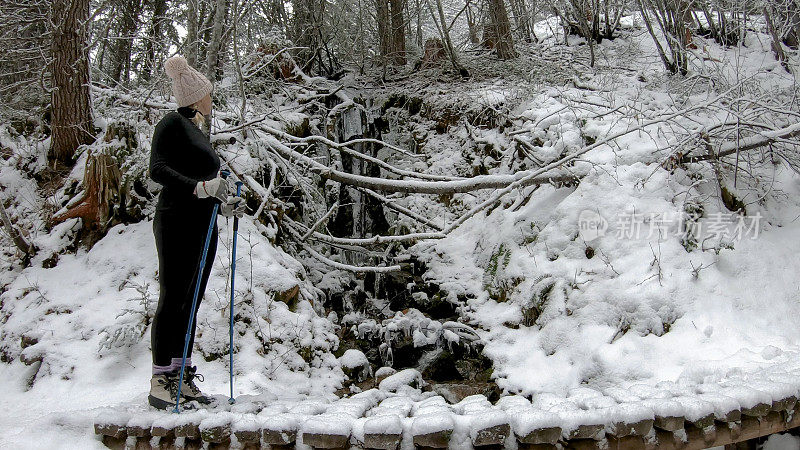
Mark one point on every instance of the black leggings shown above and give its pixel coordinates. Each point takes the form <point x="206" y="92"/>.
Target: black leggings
<point x="179" y="241"/>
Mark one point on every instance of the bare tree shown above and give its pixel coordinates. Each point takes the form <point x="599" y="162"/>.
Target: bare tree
<point x="154" y="44"/>
<point x="24" y="55"/>
<point x="391" y="30"/>
<point x="72" y="114"/>
<point x="384" y="28"/>
<point x="497" y="32"/>
<point x="215" y="45"/>
<point x="398" y="32"/>
<point x="128" y="14"/>
<point x="191" y="33"/>
<point x="671" y="17"/>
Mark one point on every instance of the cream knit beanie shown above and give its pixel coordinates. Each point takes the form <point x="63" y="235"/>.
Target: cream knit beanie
<point x="188" y="84"/>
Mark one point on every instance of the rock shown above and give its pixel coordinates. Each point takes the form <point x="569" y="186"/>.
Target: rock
<point x="355" y="365"/>
<point x="549" y="435"/>
<point x="407" y="377"/>
<point x="494" y="435"/>
<point x="455" y="392"/>
<point x="382" y="373"/>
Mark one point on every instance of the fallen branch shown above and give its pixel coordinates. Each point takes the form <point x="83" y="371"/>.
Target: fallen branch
<point x="341" y="266"/>
<point x="404" y="211"/>
<point x="375" y="240"/>
<point x="761" y="139"/>
<point x="416" y="186"/>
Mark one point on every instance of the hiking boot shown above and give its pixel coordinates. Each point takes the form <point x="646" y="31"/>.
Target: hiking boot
<point x="189" y="389"/>
<point x="163" y="391"/>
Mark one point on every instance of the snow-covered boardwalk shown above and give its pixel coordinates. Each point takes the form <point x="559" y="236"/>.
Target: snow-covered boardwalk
<point x="396" y="416"/>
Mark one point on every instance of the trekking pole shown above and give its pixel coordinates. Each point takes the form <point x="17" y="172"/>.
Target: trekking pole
<point x="200" y="269"/>
<point x="233" y="278"/>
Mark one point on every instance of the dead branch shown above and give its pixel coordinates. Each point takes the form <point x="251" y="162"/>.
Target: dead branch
<point x="761" y="139"/>
<point x="20" y="242"/>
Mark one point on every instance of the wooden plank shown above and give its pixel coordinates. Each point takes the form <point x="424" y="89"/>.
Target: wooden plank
<point x="669" y="423"/>
<point x="278" y="437"/>
<point x="547" y="436"/>
<point x="641" y="428"/>
<point x="594" y="431"/>
<point x="382" y="441"/>
<point x="438" y="439"/>
<point x="494" y="435"/>
<point x="114" y="431"/>
<point x="326" y="440"/>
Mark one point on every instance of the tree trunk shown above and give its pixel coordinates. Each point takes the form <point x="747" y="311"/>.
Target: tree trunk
<point x="780" y="55"/>
<point x="214" y="47"/>
<point x="501" y="30"/>
<point x="444" y="31"/>
<point x="129" y="11"/>
<point x="384" y="29"/>
<point x="191" y="33"/>
<point x="398" y="32"/>
<point x="72" y="114"/>
<point x="154" y="46"/>
<point x="472" y="26"/>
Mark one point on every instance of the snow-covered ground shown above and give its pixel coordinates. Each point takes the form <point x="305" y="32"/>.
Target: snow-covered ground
<point x="659" y="311"/>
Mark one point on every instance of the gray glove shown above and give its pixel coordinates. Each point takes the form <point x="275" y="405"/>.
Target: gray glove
<point x="218" y="188"/>
<point x="233" y="206"/>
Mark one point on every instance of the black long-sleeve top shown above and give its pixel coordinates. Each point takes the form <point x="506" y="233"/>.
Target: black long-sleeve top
<point x="180" y="156"/>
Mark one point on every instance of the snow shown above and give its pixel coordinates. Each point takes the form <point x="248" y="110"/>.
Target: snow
<point x="327" y="424"/>
<point x="402" y="378"/>
<point x="523" y="422"/>
<point x="432" y="423"/>
<point x="383" y="424"/>
<point x="353" y="358"/>
<point x="782" y="442"/>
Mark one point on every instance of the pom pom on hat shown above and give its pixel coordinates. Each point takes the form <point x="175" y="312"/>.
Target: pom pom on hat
<point x="175" y="65"/>
<point x="188" y="85"/>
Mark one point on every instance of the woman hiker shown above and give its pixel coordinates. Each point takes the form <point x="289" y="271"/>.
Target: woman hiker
<point x="184" y="163"/>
